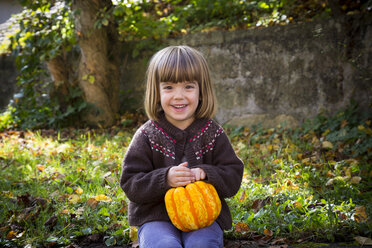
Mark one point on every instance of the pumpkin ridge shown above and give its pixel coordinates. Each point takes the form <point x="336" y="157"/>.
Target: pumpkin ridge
<point x="176" y="218"/>
<point x="192" y="208"/>
<point x="208" y="206"/>
<point x="215" y="197"/>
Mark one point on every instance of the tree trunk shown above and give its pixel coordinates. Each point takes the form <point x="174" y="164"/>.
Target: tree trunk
<point x="98" y="68"/>
<point x="62" y="73"/>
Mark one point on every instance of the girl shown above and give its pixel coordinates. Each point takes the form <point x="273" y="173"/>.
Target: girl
<point x="180" y="144"/>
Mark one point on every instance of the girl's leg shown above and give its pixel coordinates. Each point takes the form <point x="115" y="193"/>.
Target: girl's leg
<point x="159" y="234"/>
<point x="211" y="236"/>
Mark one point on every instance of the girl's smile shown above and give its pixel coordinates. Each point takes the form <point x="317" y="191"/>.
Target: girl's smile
<point x="179" y="102"/>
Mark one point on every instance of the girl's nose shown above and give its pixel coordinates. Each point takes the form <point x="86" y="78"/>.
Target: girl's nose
<point x="178" y="93"/>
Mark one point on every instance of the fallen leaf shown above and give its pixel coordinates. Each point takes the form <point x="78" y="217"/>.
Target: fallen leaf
<point x="73" y="199"/>
<point x="92" y="203"/>
<point x="259" y="180"/>
<point x="243" y="196"/>
<point x="260" y="203"/>
<point x="268" y="232"/>
<point x="11" y="235"/>
<point x="133" y="233"/>
<point x="65" y="211"/>
<point x="355" y="180"/>
<point x="297" y="205"/>
<point x="363" y="240"/>
<point x="79" y="191"/>
<point x="360" y="214"/>
<point x="103" y="197"/>
<point x="241" y="227"/>
<point x="279" y="241"/>
<point x="330" y="174"/>
<point x="40" y="167"/>
<point x="327" y="145"/>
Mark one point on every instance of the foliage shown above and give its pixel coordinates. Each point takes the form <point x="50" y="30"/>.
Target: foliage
<point x="46" y="31"/>
<point x="64" y="185"/>
<point x="306" y="184"/>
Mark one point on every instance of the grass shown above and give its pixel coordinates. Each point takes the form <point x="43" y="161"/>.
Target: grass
<point x="307" y="184"/>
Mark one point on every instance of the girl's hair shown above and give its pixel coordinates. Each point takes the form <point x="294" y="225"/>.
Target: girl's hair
<point x="179" y="64"/>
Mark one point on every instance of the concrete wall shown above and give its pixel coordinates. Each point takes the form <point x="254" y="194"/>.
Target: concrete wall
<point x="281" y="73"/>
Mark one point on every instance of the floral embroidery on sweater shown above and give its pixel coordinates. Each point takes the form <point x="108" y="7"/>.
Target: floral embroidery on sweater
<point x="202" y="141"/>
<point x="210" y="146"/>
<point x="201" y="132"/>
<point x="162" y="131"/>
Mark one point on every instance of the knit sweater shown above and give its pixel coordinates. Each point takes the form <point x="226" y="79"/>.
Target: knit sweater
<point x="157" y="146"/>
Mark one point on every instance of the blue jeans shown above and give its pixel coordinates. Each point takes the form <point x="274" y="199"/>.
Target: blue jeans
<point x="164" y="234"/>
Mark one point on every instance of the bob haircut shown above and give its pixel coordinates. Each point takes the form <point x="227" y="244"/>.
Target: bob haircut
<point x="177" y="64"/>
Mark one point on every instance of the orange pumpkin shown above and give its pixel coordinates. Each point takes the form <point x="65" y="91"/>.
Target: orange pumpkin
<point x="193" y="207"/>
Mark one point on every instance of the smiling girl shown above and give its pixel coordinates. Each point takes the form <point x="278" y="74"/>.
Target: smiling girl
<point x="179" y="144"/>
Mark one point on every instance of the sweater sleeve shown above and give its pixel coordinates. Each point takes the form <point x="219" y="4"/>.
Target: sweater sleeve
<point x="226" y="172"/>
<point x="141" y="182"/>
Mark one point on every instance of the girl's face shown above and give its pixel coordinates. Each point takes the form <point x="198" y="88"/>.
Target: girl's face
<point x="179" y="102"/>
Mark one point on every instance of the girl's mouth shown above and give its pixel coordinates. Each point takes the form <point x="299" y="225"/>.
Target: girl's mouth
<point x="179" y="106"/>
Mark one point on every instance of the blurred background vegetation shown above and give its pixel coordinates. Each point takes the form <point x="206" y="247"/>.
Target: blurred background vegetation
<point x="51" y="32"/>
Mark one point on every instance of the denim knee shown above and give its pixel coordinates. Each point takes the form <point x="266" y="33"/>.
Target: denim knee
<point x="203" y="243"/>
<point x="165" y="242"/>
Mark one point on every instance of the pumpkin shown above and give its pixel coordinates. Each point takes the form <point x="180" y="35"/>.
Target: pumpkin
<point x="193" y="207"/>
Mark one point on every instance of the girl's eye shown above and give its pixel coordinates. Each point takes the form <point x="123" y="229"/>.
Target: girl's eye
<point x="167" y="87"/>
<point x="190" y="86"/>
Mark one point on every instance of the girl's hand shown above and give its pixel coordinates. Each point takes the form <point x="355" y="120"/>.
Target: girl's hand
<point x="180" y="175"/>
<point x="198" y="173"/>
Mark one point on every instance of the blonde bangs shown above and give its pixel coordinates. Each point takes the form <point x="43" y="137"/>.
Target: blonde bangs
<point x="179" y="64"/>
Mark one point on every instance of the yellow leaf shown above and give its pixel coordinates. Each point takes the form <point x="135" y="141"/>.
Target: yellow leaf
<point x="133" y="233"/>
<point x="315" y="141"/>
<point x="326" y="132"/>
<point x="102" y="197"/>
<point x="361" y="128"/>
<point x="73" y="199"/>
<point x="40" y="167"/>
<point x="297" y="205"/>
<point x="327" y="145"/>
<point x="360" y="214"/>
<point x="306" y="161"/>
<point x="11" y="235"/>
<point x="8" y="194"/>
<point x="268" y="232"/>
<point x="79" y="191"/>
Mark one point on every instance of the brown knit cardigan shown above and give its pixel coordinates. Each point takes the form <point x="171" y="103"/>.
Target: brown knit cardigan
<point x="157" y="146"/>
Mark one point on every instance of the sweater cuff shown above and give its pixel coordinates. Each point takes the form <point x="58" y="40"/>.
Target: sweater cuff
<point x="163" y="180"/>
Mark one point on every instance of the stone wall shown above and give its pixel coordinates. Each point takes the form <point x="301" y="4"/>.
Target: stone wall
<point x="280" y="73"/>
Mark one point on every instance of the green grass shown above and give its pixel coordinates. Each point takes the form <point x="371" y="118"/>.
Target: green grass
<point x="59" y="186"/>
